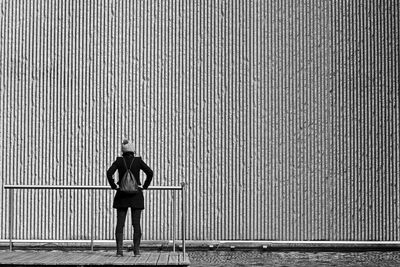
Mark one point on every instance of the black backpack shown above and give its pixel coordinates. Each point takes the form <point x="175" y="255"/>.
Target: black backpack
<point x="128" y="182"/>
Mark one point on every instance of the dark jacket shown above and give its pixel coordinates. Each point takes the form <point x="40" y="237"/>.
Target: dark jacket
<point x="121" y="199"/>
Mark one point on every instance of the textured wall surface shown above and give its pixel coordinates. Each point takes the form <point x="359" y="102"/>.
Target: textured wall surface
<point x="281" y="116"/>
<point x="365" y="121"/>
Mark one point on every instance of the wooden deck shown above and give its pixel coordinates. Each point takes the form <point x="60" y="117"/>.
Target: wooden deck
<point x="90" y="258"/>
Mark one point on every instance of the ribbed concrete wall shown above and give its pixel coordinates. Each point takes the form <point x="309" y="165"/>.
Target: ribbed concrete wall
<point x="282" y="116"/>
<point x="365" y="121"/>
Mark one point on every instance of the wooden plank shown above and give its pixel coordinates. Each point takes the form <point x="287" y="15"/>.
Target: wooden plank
<point x="163" y="259"/>
<point x="87" y="258"/>
<point x="152" y="259"/>
<point x="4" y="256"/>
<point x="103" y="257"/>
<point x="62" y="257"/>
<point x="27" y="256"/>
<point x="142" y="258"/>
<point x="119" y="260"/>
<point x="173" y="258"/>
<point x="131" y="260"/>
<point x="17" y="257"/>
<point x="93" y="259"/>
<point x="75" y="258"/>
<point x="185" y="261"/>
<point x="39" y="258"/>
<point x="109" y="258"/>
<point x="90" y="258"/>
<point x="47" y="256"/>
<point x="53" y="257"/>
<point x="57" y="258"/>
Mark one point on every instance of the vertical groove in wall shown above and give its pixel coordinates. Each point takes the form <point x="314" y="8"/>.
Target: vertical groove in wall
<point x="281" y="117"/>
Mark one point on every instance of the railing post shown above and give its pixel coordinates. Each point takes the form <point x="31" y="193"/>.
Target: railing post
<point x="173" y="219"/>
<point x="11" y="219"/>
<point x="183" y="218"/>
<point x="92" y="221"/>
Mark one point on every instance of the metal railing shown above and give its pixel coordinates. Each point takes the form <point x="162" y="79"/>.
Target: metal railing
<point x="93" y="188"/>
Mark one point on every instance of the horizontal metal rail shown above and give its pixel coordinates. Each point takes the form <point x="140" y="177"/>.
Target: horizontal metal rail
<point x="83" y="187"/>
<point x="92" y="188"/>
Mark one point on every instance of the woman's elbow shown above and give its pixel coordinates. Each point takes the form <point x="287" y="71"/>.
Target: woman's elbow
<point x="109" y="174"/>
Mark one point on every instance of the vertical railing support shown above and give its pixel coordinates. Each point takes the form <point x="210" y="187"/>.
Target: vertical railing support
<point x="183" y="218"/>
<point x="92" y="220"/>
<point x="11" y="219"/>
<point x="173" y="220"/>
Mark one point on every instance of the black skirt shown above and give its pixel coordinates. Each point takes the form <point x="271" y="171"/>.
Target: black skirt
<point x="125" y="200"/>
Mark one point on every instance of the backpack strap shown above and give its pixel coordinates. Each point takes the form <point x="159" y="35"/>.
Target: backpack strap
<point x="131" y="163"/>
<point x="126" y="166"/>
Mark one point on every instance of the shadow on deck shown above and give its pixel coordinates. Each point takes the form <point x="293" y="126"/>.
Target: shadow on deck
<point x="90" y="258"/>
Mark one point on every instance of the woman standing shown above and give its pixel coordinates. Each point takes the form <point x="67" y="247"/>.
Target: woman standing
<point x="122" y="200"/>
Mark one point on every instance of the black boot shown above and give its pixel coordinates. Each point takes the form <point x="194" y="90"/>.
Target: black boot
<point x="120" y="239"/>
<point x="136" y="243"/>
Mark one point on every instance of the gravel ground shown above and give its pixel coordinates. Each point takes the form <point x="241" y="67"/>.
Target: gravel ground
<point x="292" y="258"/>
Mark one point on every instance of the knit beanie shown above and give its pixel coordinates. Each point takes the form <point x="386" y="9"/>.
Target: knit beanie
<point x="127" y="147"/>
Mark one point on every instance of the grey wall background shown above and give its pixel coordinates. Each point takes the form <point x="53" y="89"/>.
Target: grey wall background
<point x="282" y="116"/>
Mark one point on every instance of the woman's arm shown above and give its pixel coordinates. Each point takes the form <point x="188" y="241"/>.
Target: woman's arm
<point x="148" y="171"/>
<point x="110" y="173"/>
